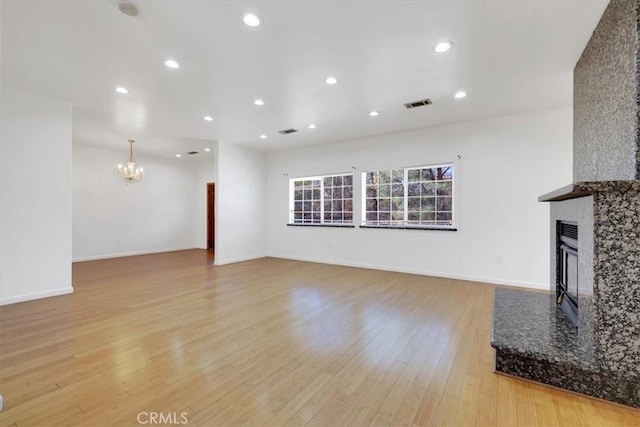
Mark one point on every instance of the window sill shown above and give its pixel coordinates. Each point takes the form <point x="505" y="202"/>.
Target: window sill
<point x="323" y="225"/>
<point x="408" y="227"/>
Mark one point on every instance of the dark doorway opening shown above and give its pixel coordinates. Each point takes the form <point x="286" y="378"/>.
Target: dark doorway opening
<point x="211" y="200"/>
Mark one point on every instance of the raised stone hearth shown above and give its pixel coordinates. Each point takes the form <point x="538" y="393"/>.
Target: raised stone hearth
<point x="534" y="340"/>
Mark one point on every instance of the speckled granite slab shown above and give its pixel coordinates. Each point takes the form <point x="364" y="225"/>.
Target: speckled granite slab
<point x="531" y="324"/>
<point x="534" y="340"/>
<point x="606" y="123"/>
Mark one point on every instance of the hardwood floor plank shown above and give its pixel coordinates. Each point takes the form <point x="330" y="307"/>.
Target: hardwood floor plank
<point x="507" y="402"/>
<point x="267" y="342"/>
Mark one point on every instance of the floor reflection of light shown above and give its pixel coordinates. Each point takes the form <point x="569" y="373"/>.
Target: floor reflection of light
<point x="393" y="333"/>
<point x="307" y="298"/>
<point x="177" y="350"/>
<point x="323" y="325"/>
<point x="312" y="327"/>
<point x="392" y="328"/>
<point x="128" y="360"/>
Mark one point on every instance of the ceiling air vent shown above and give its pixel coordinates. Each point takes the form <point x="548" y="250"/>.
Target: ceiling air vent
<point x="421" y="103"/>
<point x="192" y="152"/>
<point x="287" y="131"/>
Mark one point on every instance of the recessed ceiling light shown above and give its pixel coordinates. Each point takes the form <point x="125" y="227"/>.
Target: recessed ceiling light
<point x="258" y="102"/>
<point x="171" y="63"/>
<point x="331" y="80"/>
<point x="178" y="155"/>
<point x="263" y="136"/>
<point x="122" y="90"/>
<point x="208" y="118"/>
<point x="460" y="94"/>
<point x="207" y="149"/>
<point x="373" y="113"/>
<point x="443" y="47"/>
<point x="251" y="20"/>
<point x="312" y="126"/>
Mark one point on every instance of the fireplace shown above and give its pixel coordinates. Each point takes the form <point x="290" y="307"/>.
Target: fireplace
<point x="567" y="269"/>
<point x="536" y="336"/>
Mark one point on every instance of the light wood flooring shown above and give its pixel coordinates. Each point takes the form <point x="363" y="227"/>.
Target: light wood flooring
<point x="266" y="342"/>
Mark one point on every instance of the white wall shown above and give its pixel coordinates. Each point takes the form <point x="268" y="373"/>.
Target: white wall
<point x="114" y="218"/>
<point x="35" y="191"/>
<point x="240" y="204"/>
<point x="502" y="237"/>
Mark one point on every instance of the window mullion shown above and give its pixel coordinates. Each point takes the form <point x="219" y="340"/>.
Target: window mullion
<point x="322" y="200"/>
<point x="406" y="200"/>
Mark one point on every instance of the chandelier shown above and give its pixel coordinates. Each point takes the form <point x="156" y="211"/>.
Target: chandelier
<point x="130" y="172"/>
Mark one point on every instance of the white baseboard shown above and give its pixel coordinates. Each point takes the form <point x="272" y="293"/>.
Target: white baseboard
<point x="234" y="260"/>
<point x="124" y="254"/>
<point x="36" y="295"/>
<point x="494" y="281"/>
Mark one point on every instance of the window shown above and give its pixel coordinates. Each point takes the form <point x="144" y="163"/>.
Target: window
<point x="321" y="200"/>
<point x="414" y="197"/>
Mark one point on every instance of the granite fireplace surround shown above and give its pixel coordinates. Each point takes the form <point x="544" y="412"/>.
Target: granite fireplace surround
<point x="532" y="336"/>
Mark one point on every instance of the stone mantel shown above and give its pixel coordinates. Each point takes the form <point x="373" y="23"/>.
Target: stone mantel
<point x="583" y="189"/>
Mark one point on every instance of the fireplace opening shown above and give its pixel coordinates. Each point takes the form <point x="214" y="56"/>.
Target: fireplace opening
<point x="567" y="269"/>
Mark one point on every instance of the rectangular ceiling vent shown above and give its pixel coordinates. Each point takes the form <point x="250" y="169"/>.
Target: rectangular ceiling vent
<point x="287" y="131"/>
<point x="192" y="152"/>
<point x="421" y="103"/>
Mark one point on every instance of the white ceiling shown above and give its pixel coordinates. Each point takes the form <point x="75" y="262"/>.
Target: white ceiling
<point x="509" y="56"/>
